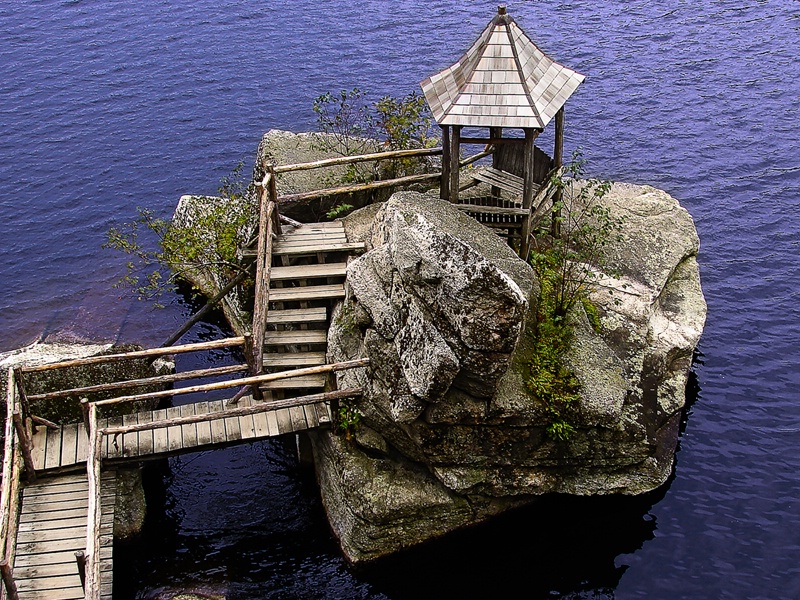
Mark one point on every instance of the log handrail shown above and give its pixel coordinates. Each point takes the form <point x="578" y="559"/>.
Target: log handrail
<point x="361" y="187"/>
<point x="349" y="160"/>
<point x="152" y="352"/>
<point x="94" y="513"/>
<point x="129" y="383"/>
<point x="245" y="381"/>
<point x="9" y="495"/>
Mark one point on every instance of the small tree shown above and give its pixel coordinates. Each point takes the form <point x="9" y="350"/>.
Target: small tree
<point x="567" y="267"/>
<point x="209" y="241"/>
<point x="355" y="126"/>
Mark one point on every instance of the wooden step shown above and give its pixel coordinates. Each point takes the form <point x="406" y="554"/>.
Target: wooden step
<point x="308" y="271"/>
<point x="280" y="249"/>
<point x="307" y="381"/>
<point x="305" y="336"/>
<point x="308" y="292"/>
<point x="297" y="315"/>
<point x="294" y="359"/>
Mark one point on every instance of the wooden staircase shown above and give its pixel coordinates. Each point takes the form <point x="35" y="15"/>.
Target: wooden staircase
<point x="310" y="262"/>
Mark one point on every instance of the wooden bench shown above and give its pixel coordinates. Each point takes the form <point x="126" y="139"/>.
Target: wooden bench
<point x="500" y="179"/>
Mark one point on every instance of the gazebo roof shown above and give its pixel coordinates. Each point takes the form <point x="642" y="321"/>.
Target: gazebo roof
<point x="503" y="80"/>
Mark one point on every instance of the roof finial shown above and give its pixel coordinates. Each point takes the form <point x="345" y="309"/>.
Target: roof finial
<point x="501" y="10"/>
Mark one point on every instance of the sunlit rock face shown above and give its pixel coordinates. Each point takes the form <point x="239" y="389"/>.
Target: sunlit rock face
<point x="449" y="435"/>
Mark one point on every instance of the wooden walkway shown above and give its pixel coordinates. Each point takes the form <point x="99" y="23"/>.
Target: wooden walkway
<point x="52" y="528"/>
<point x="67" y="446"/>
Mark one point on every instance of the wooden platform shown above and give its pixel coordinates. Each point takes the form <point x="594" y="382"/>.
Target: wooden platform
<point x="68" y="446"/>
<point x="52" y="528"/>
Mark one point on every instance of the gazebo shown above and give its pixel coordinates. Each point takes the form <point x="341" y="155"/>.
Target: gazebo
<point x="504" y="81"/>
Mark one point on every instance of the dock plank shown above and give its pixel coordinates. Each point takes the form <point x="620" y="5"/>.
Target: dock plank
<point x="160" y="442"/>
<point x="130" y="441"/>
<point x="203" y="429"/>
<point x="174" y="433"/>
<point x="146" y="438"/>
<point x="189" y="431"/>
<point x="52" y="457"/>
<point x="217" y="425"/>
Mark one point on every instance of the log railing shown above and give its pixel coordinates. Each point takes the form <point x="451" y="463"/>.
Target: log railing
<point x="10" y="494"/>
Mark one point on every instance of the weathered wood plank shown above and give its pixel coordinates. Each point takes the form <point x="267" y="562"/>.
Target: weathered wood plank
<point x="310" y="412"/>
<point x="69" y="444"/>
<point x="293" y="359"/>
<point x="160" y="441"/>
<point x="303" y="336"/>
<point x="77" y="531"/>
<point x="174" y="434"/>
<point x="114" y="441"/>
<point x="203" y="429"/>
<point x="272" y="423"/>
<point x="83" y="444"/>
<point x="310" y="292"/>
<point x="297" y="315"/>
<point x="188" y="430"/>
<point x="261" y="424"/>
<point x="39" y="447"/>
<point x="309" y="271"/>
<point x="322" y="247"/>
<point x="56" y="557"/>
<point x="130" y="441"/>
<point x="298" y="418"/>
<point x="217" y="425"/>
<point x="232" y="430"/>
<point x="284" y="421"/>
<point x="146" y="438"/>
<point x="307" y="381"/>
<point x="52" y="458"/>
<point x="246" y="423"/>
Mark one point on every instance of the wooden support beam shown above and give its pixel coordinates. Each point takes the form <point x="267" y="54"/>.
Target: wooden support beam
<point x="349" y="189"/>
<point x="263" y="266"/>
<point x="444" y="185"/>
<point x="558" y="157"/>
<point x="43" y="421"/>
<point x="455" y="157"/>
<point x="349" y="160"/>
<point x="23" y="397"/>
<point x="234" y="412"/>
<point x="25" y="445"/>
<point x="493" y="141"/>
<point x="151" y="353"/>
<point x="259" y="379"/>
<point x="94" y="513"/>
<point x="208" y="306"/>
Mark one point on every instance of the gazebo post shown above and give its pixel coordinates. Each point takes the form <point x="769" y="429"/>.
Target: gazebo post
<point x="495" y="133"/>
<point x="444" y="186"/>
<point x="455" y="156"/>
<point x="558" y="158"/>
<point x="529" y="185"/>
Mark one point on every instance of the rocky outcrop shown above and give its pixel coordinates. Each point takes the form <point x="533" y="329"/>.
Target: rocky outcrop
<point x="449" y="434"/>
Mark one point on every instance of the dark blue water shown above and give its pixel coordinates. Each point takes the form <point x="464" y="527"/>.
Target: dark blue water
<point x="105" y="106"/>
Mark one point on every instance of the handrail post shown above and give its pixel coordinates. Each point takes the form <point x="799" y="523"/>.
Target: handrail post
<point x="92" y="582"/>
<point x="8" y="579"/>
<point x="23" y="397"/>
<point x="26" y="446"/>
<point x="85" y="411"/>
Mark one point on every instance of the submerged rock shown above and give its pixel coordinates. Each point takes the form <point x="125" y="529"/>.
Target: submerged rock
<point x="442" y="307"/>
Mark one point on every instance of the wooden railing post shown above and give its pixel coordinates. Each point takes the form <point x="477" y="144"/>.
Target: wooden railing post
<point x="92" y="581"/>
<point x="23" y="397"/>
<point x="25" y="445"/>
<point x="8" y="580"/>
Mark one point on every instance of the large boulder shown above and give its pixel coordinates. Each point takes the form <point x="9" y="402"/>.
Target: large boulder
<point x="449" y="435"/>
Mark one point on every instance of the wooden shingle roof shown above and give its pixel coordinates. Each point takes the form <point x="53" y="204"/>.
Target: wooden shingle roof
<point x="503" y="80"/>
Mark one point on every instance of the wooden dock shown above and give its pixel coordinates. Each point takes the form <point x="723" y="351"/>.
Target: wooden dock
<point x="52" y="527"/>
<point x="68" y="446"/>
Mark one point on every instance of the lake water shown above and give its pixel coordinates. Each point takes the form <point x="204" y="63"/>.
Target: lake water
<point x="106" y="106"/>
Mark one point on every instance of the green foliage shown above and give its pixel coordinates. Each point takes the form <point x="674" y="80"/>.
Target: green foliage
<point x="356" y="126"/>
<point x="339" y="210"/>
<point x="349" y="420"/>
<point x="567" y="267"/>
<point x="161" y="251"/>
